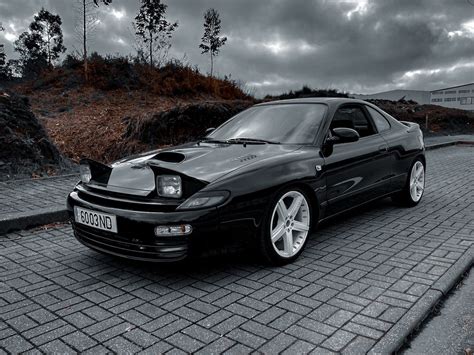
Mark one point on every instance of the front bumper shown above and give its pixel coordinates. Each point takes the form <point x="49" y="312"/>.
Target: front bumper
<point x="136" y="239"/>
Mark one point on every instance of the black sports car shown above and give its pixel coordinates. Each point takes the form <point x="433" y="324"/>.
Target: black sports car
<point x="266" y="176"/>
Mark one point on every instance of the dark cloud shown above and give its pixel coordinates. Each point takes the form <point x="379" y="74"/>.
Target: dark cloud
<point x="354" y="45"/>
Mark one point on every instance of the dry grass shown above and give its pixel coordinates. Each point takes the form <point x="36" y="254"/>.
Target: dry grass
<point x="89" y="119"/>
<point x="87" y="123"/>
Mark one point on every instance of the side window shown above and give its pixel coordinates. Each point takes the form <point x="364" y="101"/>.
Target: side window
<point x="380" y="121"/>
<point x="352" y="117"/>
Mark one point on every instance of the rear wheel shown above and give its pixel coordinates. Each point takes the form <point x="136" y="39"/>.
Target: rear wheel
<point x="415" y="186"/>
<point x="286" y="228"/>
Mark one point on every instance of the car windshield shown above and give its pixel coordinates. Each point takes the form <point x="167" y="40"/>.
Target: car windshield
<point x="281" y="123"/>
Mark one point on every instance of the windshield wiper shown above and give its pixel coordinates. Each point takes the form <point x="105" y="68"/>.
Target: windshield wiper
<point x="251" y="140"/>
<point x="211" y="140"/>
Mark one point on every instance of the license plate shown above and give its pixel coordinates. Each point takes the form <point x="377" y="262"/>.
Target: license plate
<point x="99" y="220"/>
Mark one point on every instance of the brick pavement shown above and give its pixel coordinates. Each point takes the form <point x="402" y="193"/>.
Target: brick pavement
<point x="359" y="278"/>
<point x="18" y="196"/>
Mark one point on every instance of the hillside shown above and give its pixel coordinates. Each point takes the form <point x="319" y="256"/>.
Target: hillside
<point x="91" y="120"/>
<point x="127" y="108"/>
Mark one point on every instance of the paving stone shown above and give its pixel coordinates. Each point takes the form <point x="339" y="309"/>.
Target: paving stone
<point x="16" y="344"/>
<point x="285" y="321"/>
<point x="299" y="347"/>
<point x="340" y="317"/>
<point x="277" y="344"/>
<point x="306" y="334"/>
<point x="184" y="342"/>
<point x="56" y="347"/>
<point x="363" y="330"/>
<point x="356" y="279"/>
<point x="217" y="347"/>
<point x="259" y="329"/>
<point x="338" y="340"/>
<point x="141" y="338"/>
<point x="323" y="312"/>
<point x="200" y="333"/>
<point x="238" y="349"/>
<point x="122" y="346"/>
<point x="157" y="348"/>
<point x="79" y="320"/>
<point x="243" y="337"/>
<point x="374" y="309"/>
<point x="79" y="341"/>
<point x="359" y="345"/>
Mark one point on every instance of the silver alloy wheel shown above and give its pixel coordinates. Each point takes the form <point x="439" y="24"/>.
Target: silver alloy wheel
<point x="417" y="181"/>
<point x="290" y="223"/>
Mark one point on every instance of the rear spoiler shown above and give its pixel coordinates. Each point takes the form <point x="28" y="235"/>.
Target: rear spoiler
<point x="412" y="126"/>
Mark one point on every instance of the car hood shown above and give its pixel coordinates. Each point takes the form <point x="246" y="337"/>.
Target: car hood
<point x="205" y="162"/>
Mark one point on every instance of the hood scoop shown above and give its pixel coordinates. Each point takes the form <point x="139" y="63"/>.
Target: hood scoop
<point x="170" y="157"/>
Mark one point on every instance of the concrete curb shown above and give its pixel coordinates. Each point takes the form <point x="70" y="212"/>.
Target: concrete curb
<point x="395" y="338"/>
<point x="23" y="220"/>
<point x="447" y="144"/>
<point x="43" y="178"/>
<point x="446" y="282"/>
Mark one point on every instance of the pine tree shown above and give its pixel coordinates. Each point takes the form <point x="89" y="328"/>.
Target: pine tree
<point x="211" y="41"/>
<point x="153" y="30"/>
<point x="48" y="27"/>
<point x="33" y="58"/>
<point x="41" y="45"/>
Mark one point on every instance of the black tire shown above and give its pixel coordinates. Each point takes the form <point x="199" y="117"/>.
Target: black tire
<point x="404" y="198"/>
<point x="266" y="247"/>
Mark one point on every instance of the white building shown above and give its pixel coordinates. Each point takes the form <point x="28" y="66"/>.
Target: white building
<point x="461" y="97"/>
<point x="422" y="97"/>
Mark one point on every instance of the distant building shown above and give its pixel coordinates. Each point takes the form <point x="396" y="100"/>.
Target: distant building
<point x="422" y="97"/>
<point x="461" y="97"/>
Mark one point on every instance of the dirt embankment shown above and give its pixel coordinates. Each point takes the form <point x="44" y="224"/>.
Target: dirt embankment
<point x="25" y="148"/>
<point x="178" y="125"/>
<point x="433" y="119"/>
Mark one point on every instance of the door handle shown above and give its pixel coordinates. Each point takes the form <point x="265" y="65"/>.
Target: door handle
<point x="383" y="149"/>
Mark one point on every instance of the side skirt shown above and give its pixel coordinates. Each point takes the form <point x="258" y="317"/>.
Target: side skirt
<point x="388" y="194"/>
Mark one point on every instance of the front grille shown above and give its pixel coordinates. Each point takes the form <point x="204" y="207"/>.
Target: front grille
<point x="108" y="199"/>
<point x="129" y="247"/>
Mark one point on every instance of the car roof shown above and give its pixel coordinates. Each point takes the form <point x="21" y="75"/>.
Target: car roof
<point x="316" y="100"/>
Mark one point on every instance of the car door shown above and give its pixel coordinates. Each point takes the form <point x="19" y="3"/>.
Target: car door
<point x="359" y="171"/>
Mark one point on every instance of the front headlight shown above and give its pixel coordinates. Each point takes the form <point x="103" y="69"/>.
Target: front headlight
<point x="204" y="200"/>
<point x="169" y="186"/>
<point x="85" y="170"/>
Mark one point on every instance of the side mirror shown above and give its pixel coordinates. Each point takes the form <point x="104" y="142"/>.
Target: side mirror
<point x="344" y="135"/>
<point x="209" y="130"/>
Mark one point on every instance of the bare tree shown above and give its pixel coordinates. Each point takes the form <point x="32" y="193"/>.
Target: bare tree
<point x="87" y="19"/>
<point x="211" y="41"/>
<point x="2" y="48"/>
<point x="153" y="31"/>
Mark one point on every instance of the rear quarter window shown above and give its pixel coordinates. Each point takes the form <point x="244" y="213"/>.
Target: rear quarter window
<point x="380" y="121"/>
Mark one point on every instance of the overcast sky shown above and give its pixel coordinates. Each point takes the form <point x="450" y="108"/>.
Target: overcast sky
<point x="361" y="46"/>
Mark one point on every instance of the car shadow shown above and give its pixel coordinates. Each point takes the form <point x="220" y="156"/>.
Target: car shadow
<point x="242" y="258"/>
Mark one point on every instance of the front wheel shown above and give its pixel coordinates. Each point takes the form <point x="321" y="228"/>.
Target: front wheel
<point x="286" y="227"/>
<point x="415" y="186"/>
